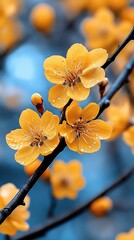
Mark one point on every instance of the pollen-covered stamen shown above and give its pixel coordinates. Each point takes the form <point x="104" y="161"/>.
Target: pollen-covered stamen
<point x="71" y="78"/>
<point x="38" y="140"/>
<point x="79" y="127"/>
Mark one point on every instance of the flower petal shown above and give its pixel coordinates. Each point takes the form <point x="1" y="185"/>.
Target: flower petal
<point x="58" y="96"/>
<point x="67" y="131"/>
<point x="74" y="146"/>
<point x="91" y="77"/>
<point x="74" y="167"/>
<point x="73" y="113"/>
<point x="17" y="139"/>
<point x="49" y="123"/>
<point x="97" y="57"/>
<point x="48" y="146"/>
<point x="29" y="120"/>
<point x="102" y="129"/>
<point x="90" y="111"/>
<point x="26" y="155"/>
<point x="76" y="57"/>
<point x="55" y="69"/>
<point x="59" y="166"/>
<point x="78" y="92"/>
<point x="89" y="144"/>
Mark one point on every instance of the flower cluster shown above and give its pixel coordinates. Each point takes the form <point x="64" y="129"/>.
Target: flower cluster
<point x="17" y="220"/>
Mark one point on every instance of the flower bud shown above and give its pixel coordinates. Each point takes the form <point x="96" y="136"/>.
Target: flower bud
<point x="37" y="101"/>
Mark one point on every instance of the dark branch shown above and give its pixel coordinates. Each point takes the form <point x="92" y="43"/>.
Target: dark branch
<point x="52" y="223"/>
<point x="119" y="49"/>
<point x="19" y="198"/>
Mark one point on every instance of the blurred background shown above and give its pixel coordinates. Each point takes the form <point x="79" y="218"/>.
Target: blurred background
<point x="27" y="38"/>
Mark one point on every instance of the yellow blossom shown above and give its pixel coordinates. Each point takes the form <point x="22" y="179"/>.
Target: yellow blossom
<point x="43" y="17"/>
<point x="30" y="169"/>
<point x="118" y="115"/>
<point x="75" y="74"/>
<point x="66" y="179"/>
<point x="10" y="7"/>
<point x="100" y="30"/>
<point x="127" y="14"/>
<point x="74" y="7"/>
<point x="114" y="5"/>
<point x="128" y="137"/>
<point x="101" y="206"/>
<point x="17" y="220"/>
<point x="126" y="236"/>
<point x="36" y="136"/>
<point x="81" y="130"/>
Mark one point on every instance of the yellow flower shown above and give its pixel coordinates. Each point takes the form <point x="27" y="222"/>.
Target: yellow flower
<point x="101" y="206"/>
<point x="17" y="220"/>
<point x="114" y="5"/>
<point x="43" y="17"/>
<point x="30" y="169"/>
<point x="118" y="115"/>
<point x="81" y="130"/>
<point x="37" y="136"/>
<point x="128" y="137"/>
<point x="74" y="7"/>
<point x="75" y="74"/>
<point x="10" y="7"/>
<point x="100" y="30"/>
<point x="126" y="236"/>
<point x="66" y="179"/>
<point x="127" y="14"/>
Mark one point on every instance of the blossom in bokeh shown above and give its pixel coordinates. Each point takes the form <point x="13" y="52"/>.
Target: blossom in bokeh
<point x="30" y="169"/>
<point x="10" y="7"/>
<point x="43" y="17"/>
<point x="114" y="5"/>
<point x="101" y="206"/>
<point x="118" y="115"/>
<point x="66" y="179"/>
<point x="128" y="137"/>
<point x="81" y="130"/>
<point x="127" y="14"/>
<point x="11" y="31"/>
<point x="73" y="7"/>
<point x="100" y="30"/>
<point x="123" y="29"/>
<point x="75" y="74"/>
<point x="17" y="220"/>
<point x="36" y="136"/>
<point x="126" y="236"/>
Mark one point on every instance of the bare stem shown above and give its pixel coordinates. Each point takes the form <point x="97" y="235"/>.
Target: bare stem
<point x="20" y="196"/>
<point x="52" y="223"/>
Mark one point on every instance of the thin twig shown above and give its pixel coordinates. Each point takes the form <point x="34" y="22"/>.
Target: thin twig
<point x="19" y="198"/>
<point x="52" y="223"/>
<point x="119" y="49"/>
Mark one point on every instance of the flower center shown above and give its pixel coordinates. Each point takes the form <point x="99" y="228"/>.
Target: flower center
<point x="71" y="79"/>
<point x="79" y="127"/>
<point x="38" y="140"/>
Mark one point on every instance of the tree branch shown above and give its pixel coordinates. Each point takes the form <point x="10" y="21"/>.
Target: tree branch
<point x="52" y="223"/>
<point x="119" y="49"/>
<point x="104" y="103"/>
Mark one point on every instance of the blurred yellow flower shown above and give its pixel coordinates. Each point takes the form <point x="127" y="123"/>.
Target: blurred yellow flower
<point x="73" y="7"/>
<point x="17" y="220"/>
<point x="127" y="14"/>
<point x="30" y="169"/>
<point x="66" y="179"/>
<point x="126" y="236"/>
<point x="81" y="130"/>
<point x="100" y="30"/>
<point x="43" y="17"/>
<point x="75" y="74"/>
<point x="11" y="31"/>
<point x="128" y="137"/>
<point x="114" y="5"/>
<point x="118" y="115"/>
<point x="10" y="7"/>
<point x="101" y="206"/>
<point x="36" y="136"/>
